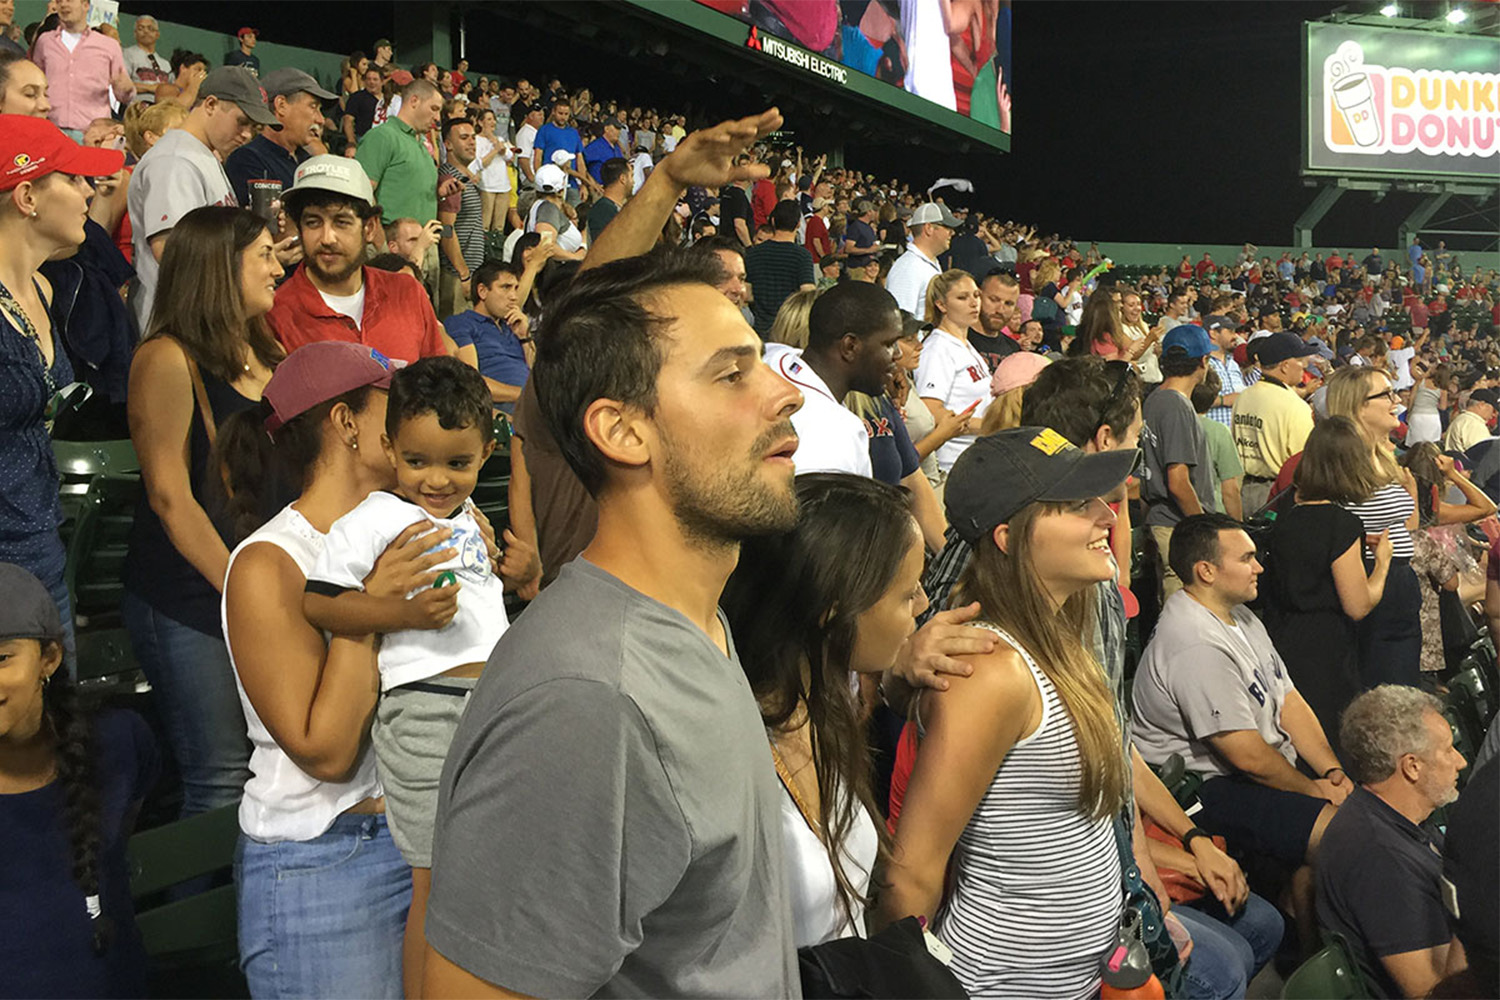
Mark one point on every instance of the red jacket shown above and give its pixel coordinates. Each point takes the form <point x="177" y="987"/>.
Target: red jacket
<point x="398" y="318"/>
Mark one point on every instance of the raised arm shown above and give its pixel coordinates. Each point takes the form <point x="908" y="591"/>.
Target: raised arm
<point x="706" y="158"/>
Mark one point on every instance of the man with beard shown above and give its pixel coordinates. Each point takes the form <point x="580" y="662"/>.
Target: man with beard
<point x="332" y="296"/>
<point x="998" y="335"/>
<point x="1400" y="751"/>
<point x="638" y="851"/>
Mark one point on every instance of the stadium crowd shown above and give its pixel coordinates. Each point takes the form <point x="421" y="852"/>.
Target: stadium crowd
<point x="1056" y="625"/>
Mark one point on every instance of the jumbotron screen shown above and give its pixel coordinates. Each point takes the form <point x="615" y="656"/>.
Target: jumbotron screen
<point x="946" y="63"/>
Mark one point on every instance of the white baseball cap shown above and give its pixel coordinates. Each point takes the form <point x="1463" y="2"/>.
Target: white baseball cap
<point x="550" y="178"/>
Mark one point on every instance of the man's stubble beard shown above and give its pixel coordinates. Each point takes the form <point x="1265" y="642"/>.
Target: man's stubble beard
<point x="721" y="508"/>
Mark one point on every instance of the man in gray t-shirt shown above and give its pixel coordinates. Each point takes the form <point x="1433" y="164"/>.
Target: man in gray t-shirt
<point x="609" y="817"/>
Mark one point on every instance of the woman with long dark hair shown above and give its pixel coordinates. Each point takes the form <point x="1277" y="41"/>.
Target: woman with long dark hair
<point x="207" y="355"/>
<point x="835" y="596"/>
<point x="1019" y="772"/>
<point x="70" y="788"/>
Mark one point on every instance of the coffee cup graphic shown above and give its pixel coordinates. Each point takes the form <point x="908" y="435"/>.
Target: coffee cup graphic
<point x="1356" y="102"/>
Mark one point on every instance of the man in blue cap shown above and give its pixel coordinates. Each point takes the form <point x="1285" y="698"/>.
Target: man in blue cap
<point x="1177" y="473"/>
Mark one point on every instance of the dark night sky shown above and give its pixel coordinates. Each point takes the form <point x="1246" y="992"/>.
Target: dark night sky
<point x="1134" y="121"/>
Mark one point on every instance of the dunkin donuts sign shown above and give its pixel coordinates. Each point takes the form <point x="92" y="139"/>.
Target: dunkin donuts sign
<point x="1391" y="101"/>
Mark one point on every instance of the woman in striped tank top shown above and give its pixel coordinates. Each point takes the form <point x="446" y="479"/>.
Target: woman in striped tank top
<point x="1018" y="773"/>
<point x="1390" y="636"/>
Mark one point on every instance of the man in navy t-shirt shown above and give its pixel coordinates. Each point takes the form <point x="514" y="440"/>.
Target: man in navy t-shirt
<point x="859" y="237"/>
<point x="605" y="147"/>
<point x="492" y="336"/>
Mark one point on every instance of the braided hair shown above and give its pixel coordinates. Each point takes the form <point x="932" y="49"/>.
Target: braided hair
<point x="76" y="774"/>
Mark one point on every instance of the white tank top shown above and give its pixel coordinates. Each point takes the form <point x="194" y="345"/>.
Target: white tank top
<point x="817" y="915"/>
<point x="282" y="801"/>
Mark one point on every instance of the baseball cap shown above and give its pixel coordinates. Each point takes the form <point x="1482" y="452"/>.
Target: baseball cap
<point x="237" y="84"/>
<point x="818" y="204"/>
<point x="28" y="611"/>
<point x="290" y="80"/>
<point x="1279" y="347"/>
<point x="1189" y="339"/>
<point x="247" y="31"/>
<point x="1217" y="322"/>
<point x="550" y="178"/>
<point x="34" y="147"/>
<point x="562" y="157"/>
<point x="863" y="205"/>
<point x="338" y="174"/>
<point x="316" y="373"/>
<point x="401" y="77"/>
<point x="1490" y="396"/>
<point x="382" y="43"/>
<point x="933" y="212"/>
<point x="1016" y="370"/>
<point x="1001" y="473"/>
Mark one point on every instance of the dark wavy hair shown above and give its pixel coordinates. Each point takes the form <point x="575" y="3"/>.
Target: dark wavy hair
<point x="793" y="604"/>
<point x="443" y="386"/>
<point x="1077" y="396"/>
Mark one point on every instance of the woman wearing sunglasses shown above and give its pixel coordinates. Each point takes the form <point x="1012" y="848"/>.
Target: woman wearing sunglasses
<point x="44" y="201"/>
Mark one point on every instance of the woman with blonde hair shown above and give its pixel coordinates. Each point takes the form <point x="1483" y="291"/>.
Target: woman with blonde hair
<point x="1019" y="777"/>
<point x="1390" y="636"/>
<point x="790" y="325"/>
<point x="953" y="376"/>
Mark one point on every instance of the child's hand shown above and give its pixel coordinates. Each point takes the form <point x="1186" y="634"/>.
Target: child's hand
<point x="433" y="608"/>
<point x="406" y="565"/>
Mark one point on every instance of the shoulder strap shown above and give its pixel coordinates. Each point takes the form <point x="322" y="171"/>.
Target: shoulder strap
<point x="200" y="392"/>
<point x="785" y="774"/>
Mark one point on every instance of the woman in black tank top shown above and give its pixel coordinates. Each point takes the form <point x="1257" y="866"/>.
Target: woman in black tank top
<point x="207" y="355"/>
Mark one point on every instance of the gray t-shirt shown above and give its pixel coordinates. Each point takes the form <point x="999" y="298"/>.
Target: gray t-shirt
<point x="608" y="820"/>
<point x="1171" y="436"/>
<point x="176" y="175"/>
<point x="1199" y="677"/>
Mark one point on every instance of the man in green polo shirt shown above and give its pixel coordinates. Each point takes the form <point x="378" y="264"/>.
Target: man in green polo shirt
<point x="402" y="168"/>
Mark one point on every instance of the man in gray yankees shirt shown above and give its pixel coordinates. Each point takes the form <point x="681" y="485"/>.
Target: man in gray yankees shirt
<point x="608" y="822"/>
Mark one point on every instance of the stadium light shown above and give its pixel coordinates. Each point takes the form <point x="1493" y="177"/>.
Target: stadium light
<point x="1390" y="10"/>
<point x="1457" y="16"/>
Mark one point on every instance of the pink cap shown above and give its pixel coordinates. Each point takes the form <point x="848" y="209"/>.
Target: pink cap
<point x="1016" y="370"/>
<point x="319" y="372"/>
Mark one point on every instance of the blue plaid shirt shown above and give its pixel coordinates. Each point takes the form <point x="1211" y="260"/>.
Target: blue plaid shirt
<point x="1230" y="382"/>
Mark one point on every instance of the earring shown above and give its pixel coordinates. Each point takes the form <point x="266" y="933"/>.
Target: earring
<point x="354" y="444"/>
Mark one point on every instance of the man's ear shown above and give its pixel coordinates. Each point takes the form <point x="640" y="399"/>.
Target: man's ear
<point x="848" y="348"/>
<point x="618" y="431"/>
<point x="1205" y="572"/>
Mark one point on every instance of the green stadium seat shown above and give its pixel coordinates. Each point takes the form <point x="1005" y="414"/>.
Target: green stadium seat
<point x="97" y="546"/>
<point x="191" y="941"/>
<point x="78" y="462"/>
<point x="1331" y="974"/>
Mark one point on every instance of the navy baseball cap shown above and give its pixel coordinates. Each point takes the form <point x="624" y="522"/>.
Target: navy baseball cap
<point x="1279" y="347"/>
<point x="1001" y="473"/>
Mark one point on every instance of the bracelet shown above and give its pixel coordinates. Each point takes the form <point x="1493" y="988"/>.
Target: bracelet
<point x="1332" y="769"/>
<point x="523" y="340"/>
<point x="1193" y="834"/>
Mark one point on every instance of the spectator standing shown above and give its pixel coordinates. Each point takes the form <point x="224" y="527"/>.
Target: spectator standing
<point x="400" y="167"/>
<point x="42" y="213"/>
<point x="953" y="376"/>
<point x="860" y="242"/>
<point x="932" y="229"/>
<point x="296" y="100"/>
<point x="384" y="52"/>
<point x="23" y="87"/>
<point x="604" y="148"/>
<point x="146" y="68"/>
<point x="1317" y="585"/>
<point x="1401" y="754"/>
<point x="614" y="176"/>
<point x="207" y="355"/>
<point x="494" y="336"/>
<point x="1133" y="327"/>
<point x="1221" y="453"/>
<point x="1036" y="715"/>
<point x="778" y="267"/>
<point x="560" y="136"/>
<point x="1270" y="420"/>
<point x="182" y="171"/>
<point x="999" y="317"/>
<point x="1177" y="472"/>
<point x="84" y="69"/>
<point x="493" y="155"/>
<point x="677" y="771"/>
<point x="73" y="786"/>
<point x="1473" y="425"/>
<point x="312" y="820"/>
<point x="461" y="213"/>
<point x="245" y="55"/>
<point x="1390" y="637"/>
<point x="1429" y="398"/>
<point x="1221" y="330"/>
<point x="332" y="295"/>
<point x="360" y="108"/>
<point x="735" y="218"/>
<point x="8" y="45"/>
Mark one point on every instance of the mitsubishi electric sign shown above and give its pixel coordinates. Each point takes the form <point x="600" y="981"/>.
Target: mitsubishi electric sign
<point x="1394" y="101"/>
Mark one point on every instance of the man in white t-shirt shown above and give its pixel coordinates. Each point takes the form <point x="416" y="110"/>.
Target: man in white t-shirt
<point x="146" y="67"/>
<point x="931" y="228"/>
<point x="1400" y="359"/>
<point x="640" y="168"/>
<point x="184" y="170"/>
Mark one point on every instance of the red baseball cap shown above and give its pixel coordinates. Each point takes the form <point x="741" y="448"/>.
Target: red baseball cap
<point x="34" y="147"/>
<point x="247" y="31"/>
<point x="316" y="373"/>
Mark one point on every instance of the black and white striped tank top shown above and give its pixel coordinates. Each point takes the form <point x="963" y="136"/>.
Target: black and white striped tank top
<point x="1388" y="507"/>
<point x="1037" y="896"/>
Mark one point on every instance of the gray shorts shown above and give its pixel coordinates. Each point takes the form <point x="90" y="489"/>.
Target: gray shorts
<point x="414" y="725"/>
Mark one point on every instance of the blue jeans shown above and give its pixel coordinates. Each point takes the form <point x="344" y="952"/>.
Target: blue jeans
<point x="1228" y="951"/>
<point x="192" y="686"/>
<point x="323" y="917"/>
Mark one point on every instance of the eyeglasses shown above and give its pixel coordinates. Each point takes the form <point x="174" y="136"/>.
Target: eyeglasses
<point x="1390" y="394"/>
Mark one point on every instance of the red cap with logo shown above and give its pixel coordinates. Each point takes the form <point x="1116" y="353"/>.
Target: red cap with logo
<point x="34" y="147"/>
<point x="316" y="373"/>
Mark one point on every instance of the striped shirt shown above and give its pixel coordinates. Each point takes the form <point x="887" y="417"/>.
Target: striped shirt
<point x="1388" y="507"/>
<point x="1231" y="381"/>
<point x="468" y="222"/>
<point x="1037" y="898"/>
